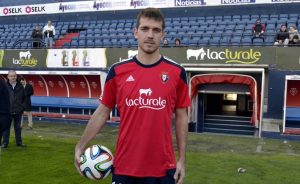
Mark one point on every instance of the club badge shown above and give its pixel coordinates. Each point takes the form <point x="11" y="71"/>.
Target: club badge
<point x="164" y="77"/>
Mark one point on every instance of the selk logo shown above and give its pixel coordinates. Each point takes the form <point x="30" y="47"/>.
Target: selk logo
<point x="7" y="11"/>
<point x="229" y="56"/>
<point x="34" y="9"/>
<point x="25" y="59"/>
<point x="145" y="101"/>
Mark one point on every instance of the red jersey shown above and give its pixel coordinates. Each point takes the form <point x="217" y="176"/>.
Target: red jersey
<point x="146" y="97"/>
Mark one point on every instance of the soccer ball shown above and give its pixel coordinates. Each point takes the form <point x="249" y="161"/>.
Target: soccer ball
<point x="96" y="162"/>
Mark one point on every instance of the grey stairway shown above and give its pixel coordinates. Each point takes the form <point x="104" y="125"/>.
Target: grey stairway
<point x="225" y="124"/>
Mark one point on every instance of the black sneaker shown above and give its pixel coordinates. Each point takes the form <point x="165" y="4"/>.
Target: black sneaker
<point x="21" y="145"/>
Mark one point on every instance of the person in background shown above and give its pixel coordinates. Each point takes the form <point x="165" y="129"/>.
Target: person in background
<point x="28" y="92"/>
<point x="295" y="41"/>
<point x="282" y="37"/>
<point x="16" y="97"/>
<point x="37" y="35"/>
<point x="4" y="109"/>
<point x="165" y="43"/>
<point x="147" y="90"/>
<point x="258" y="30"/>
<point x="177" y="42"/>
<point x="294" y="35"/>
<point x="49" y="32"/>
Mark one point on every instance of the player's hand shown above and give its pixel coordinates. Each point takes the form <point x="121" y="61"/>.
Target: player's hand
<point x="78" y="153"/>
<point x="180" y="173"/>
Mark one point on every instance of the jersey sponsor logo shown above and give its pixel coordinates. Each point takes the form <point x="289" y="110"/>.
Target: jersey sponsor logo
<point x="130" y="79"/>
<point x="147" y="92"/>
<point x="145" y="101"/>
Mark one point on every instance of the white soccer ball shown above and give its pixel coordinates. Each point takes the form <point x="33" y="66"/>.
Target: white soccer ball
<point x="96" y="162"/>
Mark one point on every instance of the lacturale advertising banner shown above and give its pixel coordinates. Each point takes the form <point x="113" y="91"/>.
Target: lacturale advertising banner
<point x="25" y="59"/>
<point x="274" y="57"/>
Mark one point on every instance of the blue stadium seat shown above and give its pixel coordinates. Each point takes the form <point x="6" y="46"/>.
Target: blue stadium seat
<point x="203" y="42"/>
<point x="239" y="27"/>
<point x="74" y="43"/>
<point x="193" y="42"/>
<point x="218" y="18"/>
<point x="90" y="43"/>
<point x="246" y="41"/>
<point x="224" y="41"/>
<point x="235" y="41"/>
<point x="214" y="41"/>
<point x="66" y="45"/>
<point x="227" y="17"/>
<point x="236" y="17"/>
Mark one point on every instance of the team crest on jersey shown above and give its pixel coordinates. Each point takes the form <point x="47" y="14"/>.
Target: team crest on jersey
<point x="164" y="77"/>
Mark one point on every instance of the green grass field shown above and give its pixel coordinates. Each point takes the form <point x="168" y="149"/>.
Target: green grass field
<point x="211" y="159"/>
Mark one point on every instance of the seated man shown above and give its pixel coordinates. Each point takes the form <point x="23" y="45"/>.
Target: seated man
<point x="258" y="30"/>
<point x="282" y="37"/>
<point x="165" y="43"/>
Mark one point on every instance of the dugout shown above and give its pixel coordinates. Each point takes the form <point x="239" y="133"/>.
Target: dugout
<point x="291" y="108"/>
<point x="62" y="93"/>
<point x="227" y="99"/>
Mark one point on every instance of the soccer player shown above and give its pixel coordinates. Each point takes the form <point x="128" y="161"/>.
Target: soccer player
<point x="147" y="89"/>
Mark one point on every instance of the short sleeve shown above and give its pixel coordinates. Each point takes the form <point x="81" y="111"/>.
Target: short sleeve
<point x="108" y="97"/>
<point x="183" y="97"/>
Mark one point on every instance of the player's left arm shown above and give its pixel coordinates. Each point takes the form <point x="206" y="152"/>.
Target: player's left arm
<point x="181" y="129"/>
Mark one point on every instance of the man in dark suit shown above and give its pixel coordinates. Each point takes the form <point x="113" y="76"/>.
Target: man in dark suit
<point x="4" y="108"/>
<point x="28" y="92"/>
<point x="16" y="97"/>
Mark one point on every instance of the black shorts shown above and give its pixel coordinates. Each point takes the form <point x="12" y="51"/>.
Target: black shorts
<point x="122" y="179"/>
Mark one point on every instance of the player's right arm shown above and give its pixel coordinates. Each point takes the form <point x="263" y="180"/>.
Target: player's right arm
<point x="94" y="125"/>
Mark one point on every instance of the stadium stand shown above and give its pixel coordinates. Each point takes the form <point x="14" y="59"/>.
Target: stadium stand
<point x="208" y="30"/>
<point x="117" y="34"/>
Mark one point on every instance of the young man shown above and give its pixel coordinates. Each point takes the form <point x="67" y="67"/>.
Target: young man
<point x="28" y="92"/>
<point x="16" y="97"/>
<point x="49" y="33"/>
<point x="282" y="37"/>
<point x="147" y="89"/>
<point x="258" y="30"/>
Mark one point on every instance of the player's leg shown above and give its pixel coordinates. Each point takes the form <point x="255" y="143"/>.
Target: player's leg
<point x="29" y="116"/>
<point x="18" y="130"/>
<point x="6" y="133"/>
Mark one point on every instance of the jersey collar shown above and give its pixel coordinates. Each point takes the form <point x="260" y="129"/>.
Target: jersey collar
<point x="147" y="66"/>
